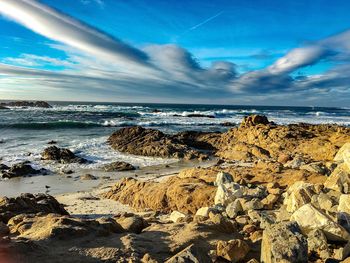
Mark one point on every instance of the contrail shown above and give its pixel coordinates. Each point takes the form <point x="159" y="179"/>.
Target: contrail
<point x="204" y="22"/>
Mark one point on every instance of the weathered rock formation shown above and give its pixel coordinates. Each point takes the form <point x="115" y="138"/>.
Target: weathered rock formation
<point x="19" y="170"/>
<point x="36" y="104"/>
<point x="54" y="153"/>
<point x="118" y="167"/>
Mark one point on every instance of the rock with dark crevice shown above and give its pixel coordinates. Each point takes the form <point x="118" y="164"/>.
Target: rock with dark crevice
<point x="61" y="155"/>
<point x="19" y="170"/>
<point x="118" y="167"/>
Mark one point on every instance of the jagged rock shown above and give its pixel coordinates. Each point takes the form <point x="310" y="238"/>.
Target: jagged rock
<point x="29" y="204"/>
<point x="343" y="155"/>
<point x="61" y="155"/>
<point x="222" y="223"/>
<point x="317" y="242"/>
<point x="310" y="218"/>
<point x="269" y="201"/>
<point x="295" y="163"/>
<point x="174" y="194"/>
<point x="283" y="242"/>
<point x="36" y="104"/>
<point x="316" y="167"/>
<point x="298" y="194"/>
<point x="252" y="204"/>
<point x="227" y="191"/>
<point x="234" y="208"/>
<point x="20" y="169"/>
<point x="176" y="215"/>
<point x="339" y="180"/>
<point x="344" y="204"/>
<point x="148" y="142"/>
<point x="253" y="120"/>
<point x="190" y="254"/>
<point x="204" y="211"/>
<point x="243" y="151"/>
<point x="118" y="167"/>
<point x="233" y="250"/>
<point x="132" y="223"/>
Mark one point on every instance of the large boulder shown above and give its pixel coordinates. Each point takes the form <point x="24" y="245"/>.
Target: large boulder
<point x="299" y="194"/>
<point x="61" y="155"/>
<point x="132" y="223"/>
<point x="253" y="120"/>
<point x="343" y="155"/>
<point x="310" y="218"/>
<point x="29" y="204"/>
<point x="339" y="180"/>
<point x="283" y="242"/>
<point x="148" y="142"/>
<point x="185" y="195"/>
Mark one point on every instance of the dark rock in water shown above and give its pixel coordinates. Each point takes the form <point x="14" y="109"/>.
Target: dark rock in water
<point x="36" y="104"/>
<point x="29" y="204"/>
<point x="148" y="142"/>
<point x="20" y="169"/>
<point x="52" y="142"/>
<point x="61" y="155"/>
<point x="228" y="124"/>
<point x="195" y="116"/>
<point x="156" y="111"/>
<point x="3" y="107"/>
<point x="253" y="120"/>
<point x="118" y="166"/>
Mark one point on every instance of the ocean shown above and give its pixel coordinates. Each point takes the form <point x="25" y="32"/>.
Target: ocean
<point x="84" y="127"/>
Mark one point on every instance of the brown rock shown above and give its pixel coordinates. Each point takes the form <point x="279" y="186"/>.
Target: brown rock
<point x="118" y="167"/>
<point x="234" y="250"/>
<point x="29" y="204"/>
<point x="174" y="194"/>
<point x="253" y="120"/>
<point x="61" y="155"/>
<point x="132" y="223"/>
<point x="190" y="254"/>
<point x="148" y="142"/>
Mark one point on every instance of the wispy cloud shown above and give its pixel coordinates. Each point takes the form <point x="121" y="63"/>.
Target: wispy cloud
<point x="98" y="63"/>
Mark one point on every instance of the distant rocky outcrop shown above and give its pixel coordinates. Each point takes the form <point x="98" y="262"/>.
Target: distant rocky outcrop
<point x="35" y="104"/>
<point x="148" y="142"/>
<point x="20" y="169"/>
<point x="61" y="155"/>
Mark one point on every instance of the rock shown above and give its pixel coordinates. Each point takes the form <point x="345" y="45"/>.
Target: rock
<point x="339" y="180"/>
<point x="233" y="250"/>
<point x="132" y="223"/>
<point x="185" y="195"/>
<point x="298" y="194"/>
<point x="20" y="169"/>
<point x="309" y="218"/>
<point x="148" y="142"/>
<point x="175" y="216"/>
<point x="4" y="230"/>
<point x="253" y="204"/>
<point x="29" y="204"/>
<point x="253" y="120"/>
<point x="233" y="209"/>
<point x="325" y="202"/>
<point x="344" y="204"/>
<point x="316" y="167"/>
<point x="118" y="167"/>
<point x="88" y="177"/>
<point x="52" y="142"/>
<point x="61" y="155"/>
<point x="269" y="201"/>
<point x="3" y="107"/>
<point x="36" y="104"/>
<point x="227" y="191"/>
<point x="283" y="242"/>
<point x="343" y="155"/>
<point x="317" y="241"/>
<point x="284" y="158"/>
<point x="296" y="163"/>
<point x="204" y="211"/>
<point x="190" y="254"/>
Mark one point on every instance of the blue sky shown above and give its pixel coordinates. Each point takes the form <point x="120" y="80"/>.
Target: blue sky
<point x="240" y="52"/>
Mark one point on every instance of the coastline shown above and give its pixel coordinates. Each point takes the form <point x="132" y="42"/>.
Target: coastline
<point x="229" y="197"/>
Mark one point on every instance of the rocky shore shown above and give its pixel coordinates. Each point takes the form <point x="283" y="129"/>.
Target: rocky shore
<point x="277" y="193"/>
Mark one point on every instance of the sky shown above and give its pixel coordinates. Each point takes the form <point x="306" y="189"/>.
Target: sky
<point x="262" y="52"/>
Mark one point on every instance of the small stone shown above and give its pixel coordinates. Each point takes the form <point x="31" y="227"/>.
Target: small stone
<point x="234" y="208"/>
<point x="234" y="250"/>
<point x="175" y="216"/>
